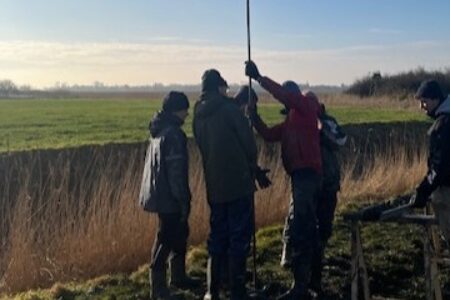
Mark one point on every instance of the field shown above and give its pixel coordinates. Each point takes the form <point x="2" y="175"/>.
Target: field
<point x="70" y="214"/>
<point x="61" y="123"/>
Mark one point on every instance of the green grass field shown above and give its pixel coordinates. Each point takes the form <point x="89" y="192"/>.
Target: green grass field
<point x="42" y="124"/>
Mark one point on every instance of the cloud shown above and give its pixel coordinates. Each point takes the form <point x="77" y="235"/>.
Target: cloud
<point x="42" y="63"/>
<point x="385" y="31"/>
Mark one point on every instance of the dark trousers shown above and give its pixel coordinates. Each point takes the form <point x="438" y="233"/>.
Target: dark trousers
<point x="301" y="230"/>
<point x="326" y="201"/>
<point x="231" y="227"/>
<point x="171" y="239"/>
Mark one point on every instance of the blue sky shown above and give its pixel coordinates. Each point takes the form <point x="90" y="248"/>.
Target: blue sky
<point x="173" y="41"/>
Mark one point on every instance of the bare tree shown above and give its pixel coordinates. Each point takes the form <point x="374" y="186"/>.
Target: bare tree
<point x="7" y="88"/>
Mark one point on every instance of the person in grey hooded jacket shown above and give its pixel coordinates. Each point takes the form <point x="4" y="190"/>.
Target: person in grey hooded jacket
<point x="436" y="184"/>
<point x="165" y="191"/>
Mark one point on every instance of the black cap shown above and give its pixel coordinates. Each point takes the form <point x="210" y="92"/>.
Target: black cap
<point x="212" y="80"/>
<point x="241" y="96"/>
<point x="430" y="89"/>
<point x="175" y="101"/>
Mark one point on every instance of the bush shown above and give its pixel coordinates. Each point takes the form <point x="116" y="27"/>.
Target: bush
<point x="401" y="85"/>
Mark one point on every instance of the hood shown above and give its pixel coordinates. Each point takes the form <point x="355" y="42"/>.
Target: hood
<point x="161" y="121"/>
<point x="209" y="104"/>
<point x="444" y="108"/>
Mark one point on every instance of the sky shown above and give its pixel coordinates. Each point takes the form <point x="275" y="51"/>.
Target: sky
<point x="139" y="42"/>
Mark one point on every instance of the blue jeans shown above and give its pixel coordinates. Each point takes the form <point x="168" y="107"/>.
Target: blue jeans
<point x="231" y="227"/>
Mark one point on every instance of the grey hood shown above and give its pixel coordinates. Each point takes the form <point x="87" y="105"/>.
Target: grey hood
<point x="444" y="108"/>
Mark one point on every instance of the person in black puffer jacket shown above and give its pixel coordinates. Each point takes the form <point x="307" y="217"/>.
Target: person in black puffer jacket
<point x="165" y="191"/>
<point x="436" y="184"/>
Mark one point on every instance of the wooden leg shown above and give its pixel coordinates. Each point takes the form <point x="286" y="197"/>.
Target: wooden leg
<point x="359" y="269"/>
<point x="355" y="261"/>
<point x="362" y="266"/>
<point x="435" y="256"/>
<point x="427" y="253"/>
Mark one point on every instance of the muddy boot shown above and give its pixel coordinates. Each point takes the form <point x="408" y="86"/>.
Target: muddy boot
<point x="178" y="277"/>
<point x="299" y="290"/>
<point x="292" y="294"/>
<point x="237" y="267"/>
<point x="315" y="283"/>
<point x="286" y="256"/>
<point x="158" y="286"/>
<point x="213" y="274"/>
<point x="225" y="273"/>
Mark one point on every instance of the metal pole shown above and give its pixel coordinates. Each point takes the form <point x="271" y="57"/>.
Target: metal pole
<point x="250" y="102"/>
<point x="249" y="57"/>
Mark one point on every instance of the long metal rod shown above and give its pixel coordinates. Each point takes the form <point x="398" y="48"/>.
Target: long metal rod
<point x="251" y="104"/>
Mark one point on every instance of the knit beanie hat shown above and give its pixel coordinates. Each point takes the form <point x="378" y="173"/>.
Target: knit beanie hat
<point x="291" y="87"/>
<point x="212" y="80"/>
<point x="175" y="101"/>
<point x="241" y="96"/>
<point x="430" y="89"/>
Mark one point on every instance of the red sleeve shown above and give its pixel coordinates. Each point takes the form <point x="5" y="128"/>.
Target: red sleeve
<point x="272" y="134"/>
<point x="291" y="100"/>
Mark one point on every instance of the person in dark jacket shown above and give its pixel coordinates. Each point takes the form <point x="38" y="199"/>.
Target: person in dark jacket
<point x="228" y="151"/>
<point x="436" y="184"/>
<point x="244" y="96"/>
<point x="332" y="138"/>
<point x="165" y="191"/>
<point x="300" y="146"/>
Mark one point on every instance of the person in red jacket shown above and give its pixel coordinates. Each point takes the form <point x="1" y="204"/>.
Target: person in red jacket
<point x="300" y="149"/>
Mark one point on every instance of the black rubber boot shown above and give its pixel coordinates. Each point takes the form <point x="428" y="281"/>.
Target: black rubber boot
<point x="286" y="256"/>
<point x="213" y="274"/>
<point x="158" y="286"/>
<point x="299" y="290"/>
<point x="292" y="294"/>
<point x="237" y="267"/>
<point x="178" y="277"/>
<point x="224" y="273"/>
<point x="316" y="269"/>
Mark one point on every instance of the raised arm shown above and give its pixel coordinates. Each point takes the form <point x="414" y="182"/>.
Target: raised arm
<point x="269" y="134"/>
<point x="288" y="98"/>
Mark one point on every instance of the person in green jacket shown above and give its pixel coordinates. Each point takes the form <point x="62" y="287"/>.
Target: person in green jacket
<point x="228" y="149"/>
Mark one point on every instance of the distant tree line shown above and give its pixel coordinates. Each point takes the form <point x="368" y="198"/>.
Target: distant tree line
<point x="401" y="85"/>
<point x="8" y="89"/>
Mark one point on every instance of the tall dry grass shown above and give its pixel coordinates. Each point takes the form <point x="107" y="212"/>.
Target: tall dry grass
<point x="71" y="220"/>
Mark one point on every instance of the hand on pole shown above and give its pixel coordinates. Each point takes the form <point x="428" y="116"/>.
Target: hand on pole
<point x="251" y="70"/>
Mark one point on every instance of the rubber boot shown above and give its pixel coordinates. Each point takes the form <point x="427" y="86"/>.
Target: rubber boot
<point x="286" y="256"/>
<point x="225" y="274"/>
<point x="299" y="290"/>
<point x="213" y="273"/>
<point x="237" y="267"/>
<point x="158" y="286"/>
<point x="178" y="277"/>
<point x="316" y="271"/>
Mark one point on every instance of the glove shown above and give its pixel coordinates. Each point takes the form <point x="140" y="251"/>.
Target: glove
<point x="262" y="179"/>
<point x="251" y="70"/>
<point x="184" y="212"/>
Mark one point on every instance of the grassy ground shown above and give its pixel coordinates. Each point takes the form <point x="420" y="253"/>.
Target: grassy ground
<point x="42" y="124"/>
<point x="393" y="255"/>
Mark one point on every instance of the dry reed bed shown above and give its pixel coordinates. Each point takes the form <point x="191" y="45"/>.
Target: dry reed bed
<point x="75" y="218"/>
